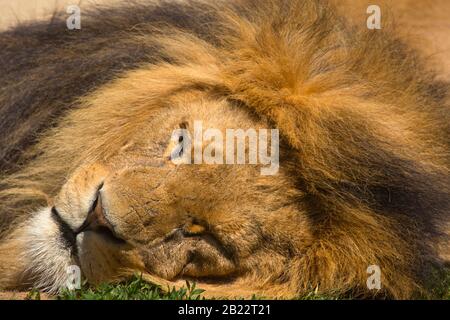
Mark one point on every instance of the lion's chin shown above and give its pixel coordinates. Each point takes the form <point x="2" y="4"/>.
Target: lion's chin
<point x="103" y="260"/>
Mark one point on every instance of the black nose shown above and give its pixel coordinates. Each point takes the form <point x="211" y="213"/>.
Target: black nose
<point x="96" y="220"/>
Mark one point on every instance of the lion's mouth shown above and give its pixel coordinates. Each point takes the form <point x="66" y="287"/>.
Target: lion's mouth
<point x="180" y="256"/>
<point x="68" y="236"/>
<point x="184" y="253"/>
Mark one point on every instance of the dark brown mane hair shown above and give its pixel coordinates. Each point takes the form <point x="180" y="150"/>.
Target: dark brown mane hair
<point x="45" y="67"/>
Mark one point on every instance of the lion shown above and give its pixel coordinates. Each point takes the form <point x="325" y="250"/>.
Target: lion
<point x="88" y="177"/>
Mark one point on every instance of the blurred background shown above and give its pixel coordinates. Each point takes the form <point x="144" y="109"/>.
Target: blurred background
<point x="13" y="11"/>
<point x="424" y="24"/>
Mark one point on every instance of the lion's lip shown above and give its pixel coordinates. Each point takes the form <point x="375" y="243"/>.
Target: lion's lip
<point x="67" y="234"/>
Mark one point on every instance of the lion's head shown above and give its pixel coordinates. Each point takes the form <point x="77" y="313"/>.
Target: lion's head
<point x="363" y="175"/>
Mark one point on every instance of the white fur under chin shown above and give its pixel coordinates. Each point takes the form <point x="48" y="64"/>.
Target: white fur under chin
<point x="48" y="258"/>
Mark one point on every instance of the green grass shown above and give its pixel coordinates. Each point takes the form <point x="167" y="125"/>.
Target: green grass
<point x="443" y="291"/>
<point x="138" y="289"/>
<point x="134" y="289"/>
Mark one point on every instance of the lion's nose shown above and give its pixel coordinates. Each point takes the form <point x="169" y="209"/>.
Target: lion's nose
<point x="96" y="220"/>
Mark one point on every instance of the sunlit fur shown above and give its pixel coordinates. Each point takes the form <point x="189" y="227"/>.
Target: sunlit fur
<point x="365" y="133"/>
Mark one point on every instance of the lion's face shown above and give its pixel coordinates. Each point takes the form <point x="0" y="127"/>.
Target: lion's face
<point x="139" y="211"/>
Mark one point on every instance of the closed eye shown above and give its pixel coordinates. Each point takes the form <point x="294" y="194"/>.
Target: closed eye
<point x="178" y="151"/>
<point x="176" y="148"/>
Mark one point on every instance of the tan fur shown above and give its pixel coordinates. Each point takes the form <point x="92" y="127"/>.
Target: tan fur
<point x="364" y="176"/>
